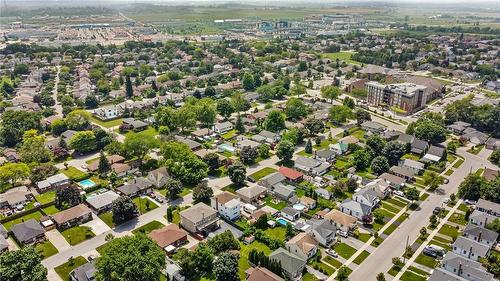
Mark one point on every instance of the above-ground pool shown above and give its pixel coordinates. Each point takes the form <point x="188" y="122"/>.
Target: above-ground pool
<point x="88" y="183"/>
<point x="299" y="207"/>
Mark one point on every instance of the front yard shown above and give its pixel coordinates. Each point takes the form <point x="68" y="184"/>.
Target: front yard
<point x="77" y="234"/>
<point x="46" y="249"/>
<point x="262" y="173"/>
<point x="144" y="205"/>
<point x="345" y="250"/>
<point x="107" y="218"/>
<point x="74" y="174"/>
<point x="64" y="269"/>
<point x="147" y="228"/>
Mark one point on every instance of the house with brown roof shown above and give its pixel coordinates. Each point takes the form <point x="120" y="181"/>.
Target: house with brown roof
<point x="291" y="174"/>
<point x="261" y="274"/>
<point x="200" y="218"/>
<point x="169" y="237"/>
<point x="303" y="245"/>
<point x="251" y="194"/>
<point x="112" y="159"/>
<point x="341" y="220"/>
<point x="227" y="205"/>
<point x="72" y="217"/>
<point x="158" y="177"/>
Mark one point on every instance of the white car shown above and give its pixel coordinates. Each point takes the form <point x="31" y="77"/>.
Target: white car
<point x="331" y="253"/>
<point x="342" y="233"/>
<point x="399" y="193"/>
<point x="446" y="200"/>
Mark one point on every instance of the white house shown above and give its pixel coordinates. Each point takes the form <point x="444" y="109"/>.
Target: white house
<point x="108" y="112"/>
<point x="227" y="205"/>
<point x="223" y="127"/>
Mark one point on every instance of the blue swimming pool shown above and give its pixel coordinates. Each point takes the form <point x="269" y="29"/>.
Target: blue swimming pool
<point x="88" y="183"/>
<point x="226" y="147"/>
<point x="282" y="221"/>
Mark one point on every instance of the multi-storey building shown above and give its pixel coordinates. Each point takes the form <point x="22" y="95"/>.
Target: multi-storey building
<point x="405" y="96"/>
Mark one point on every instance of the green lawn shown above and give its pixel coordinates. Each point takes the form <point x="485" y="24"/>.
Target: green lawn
<point x="458" y="218"/>
<point x="324" y="268"/>
<point x="46" y="197"/>
<point x="386" y="213"/>
<point x="390" y="229"/>
<point x="149" y="133"/>
<point x="449" y="230"/>
<point x="361" y="257"/>
<point x="77" y="234"/>
<point x="333" y="262"/>
<point x="397" y="202"/>
<point x="107" y="124"/>
<point x="448" y="172"/>
<point x="418" y="270"/>
<point x="46" y="249"/>
<point x="475" y="150"/>
<point x="279" y="206"/>
<point x="342" y="56"/>
<point x="36" y="215"/>
<point x="359" y="134"/>
<point x="144" y="205"/>
<point x="458" y="163"/>
<point x="107" y="218"/>
<point x="426" y="260"/>
<point x="394" y="271"/>
<point x="309" y="277"/>
<point x="364" y="237"/>
<point x="262" y="173"/>
<point x="147" y="228"/>
<point x="73" y="173"/>
<point x="410" y="276"/>
<point x="345" y="250"/>
<point x="50" y="210"/>
<point x="462" y="207"/>
<point x="229" y="135"/>
<point x="377" y="242"/>
<point x="390" y="207"/>
<point x="424" y="196"/>
<point x="341" y="164"/>
<point x="277" y="232"/>
<point x="244" y="251"/>
<point x="411" y="156"/>
<point x="64" y="269"/>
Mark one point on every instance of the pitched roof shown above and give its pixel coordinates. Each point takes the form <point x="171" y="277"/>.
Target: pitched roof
<point x="225" y="197"/>
<point x="103" y="199"/>
<point x="476" y="230"/>
<point x="167" y="235"/>
<point x="290" y="173"/>
<point x="261" y="274"/>
<point x="304" y="241"/>
<point x="289" y="262"/>
<point x="197" y="212"/>
<point x="251" y="191"/>
<point x="27" y="230"/>
<point x="340" y="217"/>
<point x="468" y="267"/>
<point x="71" y="213"/>
<point x="478" y="249"/>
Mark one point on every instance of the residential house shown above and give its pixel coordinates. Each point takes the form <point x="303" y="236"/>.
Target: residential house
<point x="323" y="231"/>
<point x="28" y="232"/>
<point x="490" y="174"/>
<point x="440" y="274"/>
<point x="339" y="148"/>
<point x="135" y="187"/>
<point x="308" y="202"/>
<point x="227" y="204"/>
<point x="402" y="172"/>
<point x="476" y="137"/>
<point x="272" y="179"/>
<point x="15" y="198"/>
<point x="112" y="159"/>
<point x="469" y="248"/>
<point x="247" y="142"/>
<point x="394" y="181"/>
<point x="266" y="137"/>
<point x="367" y="196"/>
<point x="311" y="166"/>
<point x="73" y="216"/>
<point x="415" y="166"/>
<point x="4" y="244"/>
<point x="285" y="192"/>
<point x="251" y="194"/>
<point x="290" y="213"/>
<point x="303" y="245"/>
<point x="169" y="237"/>
<point x="199" y="218"/>
<point x="52" y="182"/>
<point x="372" y="126"/>
<point x="291" y="264"/>
<point x="224" y="127"/>
<point x="123" y="169"/>
<point x="355" y="208"/>
<point x="492" y="143"/>
<point x="193" y="145"/>
<point x="261" y="274"/>
<point x="158" y="177"/>
<point x="419" y="146"/>
<point x="341" y="220"/>
<point x="85" y="272"/>
<point x="458" y="127"/>
<point x="381" y="188"/>
<point x="102" y="202"/>
<point x="108" y="112"/>
<point x="465" y="268"/>
<point x="134" y="124"/>
<point x="480" y="218"/>
<point x="480" y="234"/>
<point x="325" y="155"/>
<point x="488" y="207"/>
<point x="290" y="174"/>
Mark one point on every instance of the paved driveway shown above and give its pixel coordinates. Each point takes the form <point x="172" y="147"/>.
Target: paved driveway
<point x="56" y="238"/>
<point x="97" y="225"/>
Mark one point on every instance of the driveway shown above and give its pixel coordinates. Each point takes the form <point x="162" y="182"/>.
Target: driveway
<point x="56" y="238"/>
<point x="97" y="225"/>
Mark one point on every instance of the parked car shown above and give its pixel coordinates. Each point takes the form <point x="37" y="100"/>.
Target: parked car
<point x="399" y="193"/>
<point x="470" y="202"/>
<point x="159" y="199"/>
<point x="331" y="253"/>
<point x="436" y="210"/>
<point x="342" y="233"/>
<point x="446" y="200"/>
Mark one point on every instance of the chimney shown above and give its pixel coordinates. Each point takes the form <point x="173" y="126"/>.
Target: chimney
<point x="479" y="237"/>
<point x="459" y="273"/>
<point x="216" y="203"/>
<point x="470" y="252"/>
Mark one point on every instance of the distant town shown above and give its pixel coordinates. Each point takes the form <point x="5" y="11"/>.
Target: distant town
<point x="235" y="142"/>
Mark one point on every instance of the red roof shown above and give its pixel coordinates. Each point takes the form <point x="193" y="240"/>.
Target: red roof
<point x="290" y="173"/>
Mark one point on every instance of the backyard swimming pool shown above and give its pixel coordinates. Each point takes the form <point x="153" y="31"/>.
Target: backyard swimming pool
<point x="226" y="147"/>
<point x="284" y="221"/>
<point x="88" y="183"/>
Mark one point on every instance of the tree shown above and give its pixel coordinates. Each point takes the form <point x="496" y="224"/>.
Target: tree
<point x="91" y="101"/>
<point x="123" y="209"/>
<point x="295" y="109"/>
<point x="376" y="143"/>
<point x="138" y="146"/>
<point x="381" y="276"/>
<point x="67" y="197"/>
<point x="379" y="165"/>
<point x="58" y="126"/>
<point x="412" y="193"/>
<point x="212" y="160"/>
<point x="433" y="220"/>
<point x="225" y="108"/>
<point x="83" y="142"/>
<point x="432" y="179"/>
<point x="174" y="188"/>
<point x="423" y="231"/>
<point x="226" y="267"/>
<point x="14" y="172"/>
<point x="24" y="264"/>
<point x="210" y="91"/>
<point x="308" y="149"/>
<point x="342" y="274"/>
<point x="495" y="157"/>
<point x="298" y="90"/>
<point x="206" y="111"/>
<point x="274" y="122"/>
<point x="314" y="126"/>
<point x="248" y="154"/>
<point x="202" y="192"/>
<point x="239" y="102"/>
<point x="170" y="214"/>
<point x="223" y="242"/>
<point x="239" y="125"/>
<point x="289" y="230"/>
<point x="430" y="131"/>
<point x="21" y="69"/>
<point x="15" y="123"/>
<point x="133" y="257"/>
<point x="183" y="163"/>
<point x="361" y="159"/>
<point x="285" y="150"/>
<point x="33" y="148"/>
<point x="362" y="116"/>
<point x="349" y="102"/>
<point x="248" y="81"/>
<point x="104" y="166"/>
<point x="263" y="151"/>
<point x="237" y="173"/>
<point x="78" y="120"/>
<point x="340" y="113"/>
<point x="470" y="188"/>
<point x="393" y="151"/>
<point x="330" y="92"/>
<point x="129" y="91"/>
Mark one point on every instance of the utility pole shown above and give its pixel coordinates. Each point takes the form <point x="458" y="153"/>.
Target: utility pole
<point x="404" y="253"/>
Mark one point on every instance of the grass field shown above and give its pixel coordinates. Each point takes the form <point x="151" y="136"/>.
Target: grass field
<point x="361" y="257"/>
<point x="342" y="56"/>
<point x="426" y="260"/>
<point x="73" y="173"/>
<point x="458" y="218"/>
<point x="50" y="210"/>
<point x="458" y="163"/>
<point x="262" y="173"/>
<point x="77" y="234"/>
<point x="345" y="250"/>
<point x="244" y="251"/>
<point x="277" y="232"/>
<point x="107" y="218"/>
<point x="144" y="205"/>
<point x="333" y="262"/>
<point x="64" y="269"/>
<point x="410" y="276"/>
<point x="46" y="249"/>
<point x="46" y="197"/>
<point x="107" y="124"/>
<point x="147" y="228"/>
<point x="449" y="230"/>
<point x="36" y="215"/>
<point x="149" y="133"/>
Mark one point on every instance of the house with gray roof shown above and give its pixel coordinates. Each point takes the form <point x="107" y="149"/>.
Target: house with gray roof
<point x="476" y="137"/>
<point x="200" y="218"/>
<point x="440" y="274"/>
<point x="480" y="234"/>
<point x="372" y="126"/>
<point x="469" y="248"/>
<point x="28" y="232"/>
<point x="84" y="272"/>
<point x="367" y="196"/>
<point x="413" y="165"/>
<point x="291" y="264"/>
<point x="4" y="245"/>
<point x="405" y="138"/>
<point x="355" y="208"/>
<point x="102" y="202"/>
<point x="285" y="192"/>
<point x="488" y="207"/>
<point x="270" y="180"/>
<point x="434" y="154"/>
<point x="55" y="181"/>
<point x="312" y="166"/>
<point x="135" y="187"/>
<point x="224" y="127"/>
<point x="402" y="172"/>
<point x="3" y="231"/>
<point x="419" y="146"/>
<point x="466" y="268"/>
<point x="290" y="213"/>
<point x="481" y="218"/>
<point x="323" y="231"/>
<point x="458" y="127"/>
<point x="251" y="194"/>
<point x="134" y="124"/>
<point x="325" y="155"/>
<point x="492" y="143"/>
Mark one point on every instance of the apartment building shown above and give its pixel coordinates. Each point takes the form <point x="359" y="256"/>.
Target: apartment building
<point x="405" y="96"/>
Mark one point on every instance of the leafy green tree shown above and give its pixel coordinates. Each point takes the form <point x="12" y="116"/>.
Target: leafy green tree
<point x="33" y="148"/>
<point x="225" y="108"/>
<point x="223" y="242"/>
<point x="432" y="179"/>
<point x="237" y="173"/>
<point x="285" y="150"/>
<point x="226" y="267"/>
<point x="495" y="157"/>
<point x="381" y="276"/>
<point x="21" y="69"/>
<point x="295" y="109"/>
<point x="212" y="160"/>
<point x="206" y="111"/>
<point x="123" y="209"/>
<point x="248" y="81"/>
<point x="430" y="131"/>
<point x="14" y="172"/>
<point x="129" y="91"/>
<point x="314" y="126"/>
<point x="330" y="92"/>
<point x="298" y="90"/>
<point x="379" y="165"/>
<point x="174" y="188"/>
<point x="340" y="114"/>
<point x="263" y="151"/>
<point x="393" y="151"/>
<point x="376" y="143"/>
<point x="239" y="102"/>
<point x="308" y="148"/>
<point x="275" y="121"/>
<point x="362" y="116"/>
<point x="361" y="159"/>
<point x="58" y="126"/>
<point x="183" y="163"/>
<point x="138" y="146"/>
<point x="133" y="257"/>
<point x="67" y="197"/>
<point x="202" y="192"/>
<point x="412" y="193"/>
<point x="78" y="120"/>
<point x="470" y="188"/>
<point x="24" y="264"/>
<point x="248" y="154"/>
<point x="239" y="125"/>
<point x="104" y="166"/>
<point x="15" y="123"/>
<point x="83" y="142"/>
<point x="349" y="102"/>
<point x="343" y="274"/>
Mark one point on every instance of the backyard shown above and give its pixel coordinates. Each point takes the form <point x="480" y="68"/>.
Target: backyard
<point x="77" y="234"/>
